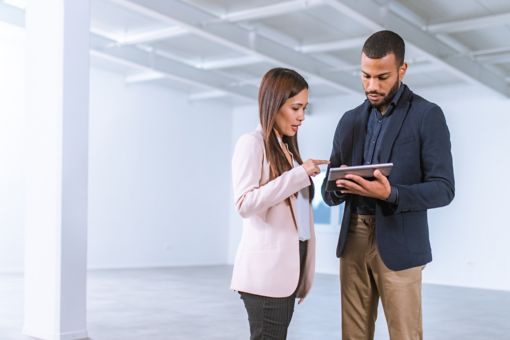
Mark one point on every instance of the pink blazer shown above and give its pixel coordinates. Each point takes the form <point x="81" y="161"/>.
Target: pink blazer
<point x="267" y="259"/>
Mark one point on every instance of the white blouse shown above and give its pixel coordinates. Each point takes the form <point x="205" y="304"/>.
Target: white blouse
<point x="303" y="212"/>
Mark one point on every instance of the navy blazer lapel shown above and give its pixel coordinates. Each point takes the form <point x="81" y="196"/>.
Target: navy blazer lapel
<point x="360" y="132"/>
<point x="395" y="125"/>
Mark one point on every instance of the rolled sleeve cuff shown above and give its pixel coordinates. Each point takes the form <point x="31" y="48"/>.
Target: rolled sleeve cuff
<point x="393" y="198"/>
<point x="337" y="194"/>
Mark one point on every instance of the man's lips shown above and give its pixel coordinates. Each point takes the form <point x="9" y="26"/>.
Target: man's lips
<point x="374" y="96"/>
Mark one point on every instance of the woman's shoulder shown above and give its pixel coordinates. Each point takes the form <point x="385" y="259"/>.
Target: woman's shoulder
<point x="249" y="146"/>
<point x="251" y="138"/>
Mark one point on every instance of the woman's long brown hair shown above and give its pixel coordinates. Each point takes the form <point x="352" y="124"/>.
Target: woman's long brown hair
<point x="277" y="86"/>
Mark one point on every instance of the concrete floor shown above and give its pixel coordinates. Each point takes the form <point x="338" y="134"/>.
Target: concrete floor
<point x="193" y="303"/>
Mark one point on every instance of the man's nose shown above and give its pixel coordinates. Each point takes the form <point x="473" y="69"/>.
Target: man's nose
<point x="373" y="84"/>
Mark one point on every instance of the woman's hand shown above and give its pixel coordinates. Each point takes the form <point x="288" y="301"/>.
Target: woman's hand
<point x="312" y="166"/>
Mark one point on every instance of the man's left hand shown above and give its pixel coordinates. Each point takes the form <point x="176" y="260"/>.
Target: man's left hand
<point x="378" y="188"/>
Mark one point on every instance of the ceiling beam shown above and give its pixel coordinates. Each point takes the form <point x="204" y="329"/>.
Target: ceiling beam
<point x="134" y="56"/>
<point x="120" y="61"/>
<point x="17" y="3"/>
<point x="329" y="46"/>
<point x="420" y="68"/>
<point x="144" y="77"/>
<point x="270" y="33"/>
<point x="470" y="24"/>
<point x="375" y="17"/>
<point x="12" y="15"/>
<point x="151" y="36"/>
<point x="405" y="12"/>
<point x="169" y="55"/>
<point x="235" y="37"/>
<point x="495" y="66"/>
<point x="206" y="95"/>
<point x="205" y="65"/>
<point x="115" y="38"/>
<point x="270" y="10"/>
<point x="453" y="43"/>
<point x="497" y="58"/>
<point x="490" y="51"/>
<point x="331" y="61"/>
<point x="229" y="62"/>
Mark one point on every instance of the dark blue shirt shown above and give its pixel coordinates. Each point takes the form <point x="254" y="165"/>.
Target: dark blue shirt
<point x="377" y="126"/>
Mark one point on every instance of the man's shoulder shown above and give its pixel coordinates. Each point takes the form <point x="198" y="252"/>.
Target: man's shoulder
<point x="353" y="113"/>
<point x="421" y="103"/>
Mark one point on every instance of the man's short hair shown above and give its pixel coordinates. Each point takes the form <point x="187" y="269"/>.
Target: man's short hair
<point x="383" y="43"/>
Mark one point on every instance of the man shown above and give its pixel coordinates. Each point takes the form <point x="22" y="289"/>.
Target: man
<point x="384" y="238"/>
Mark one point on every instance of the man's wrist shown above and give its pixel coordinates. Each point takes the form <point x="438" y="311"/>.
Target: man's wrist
<point x="393" y="196"/>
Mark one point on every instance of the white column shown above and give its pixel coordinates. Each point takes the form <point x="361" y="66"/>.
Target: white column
<point x="56" y="169"/>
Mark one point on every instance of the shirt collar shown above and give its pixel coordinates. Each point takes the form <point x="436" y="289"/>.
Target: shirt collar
<point x="397" y="95"/>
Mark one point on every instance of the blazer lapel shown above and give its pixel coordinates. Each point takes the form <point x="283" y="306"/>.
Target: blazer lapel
<point x="395" y="125"/>
<point x="359" y="134"/>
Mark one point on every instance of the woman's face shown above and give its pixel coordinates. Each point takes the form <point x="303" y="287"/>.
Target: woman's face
<point x="291" y="114"/>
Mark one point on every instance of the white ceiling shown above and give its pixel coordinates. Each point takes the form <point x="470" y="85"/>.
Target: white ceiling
<point x="221" y="48"/>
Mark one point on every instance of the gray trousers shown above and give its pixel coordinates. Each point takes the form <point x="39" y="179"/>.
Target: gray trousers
<point x="270" y="317"/>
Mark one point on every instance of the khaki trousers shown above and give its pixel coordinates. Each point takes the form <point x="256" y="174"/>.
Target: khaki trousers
<point x="364" y="278"/>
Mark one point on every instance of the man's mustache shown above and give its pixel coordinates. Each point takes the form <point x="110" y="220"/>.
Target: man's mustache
<point x="374" y="92"/>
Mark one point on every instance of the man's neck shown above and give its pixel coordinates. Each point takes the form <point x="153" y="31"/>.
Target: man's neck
<point x="383" y="109"/>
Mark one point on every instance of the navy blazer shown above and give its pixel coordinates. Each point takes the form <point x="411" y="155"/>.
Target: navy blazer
<point x="417" y="142"/>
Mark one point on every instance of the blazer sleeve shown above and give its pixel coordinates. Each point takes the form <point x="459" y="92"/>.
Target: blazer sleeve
<point x="437" y="187"/>
<point x="249" y="195"/>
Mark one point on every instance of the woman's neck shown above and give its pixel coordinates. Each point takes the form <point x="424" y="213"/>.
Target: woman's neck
<point x="278" y="136"/>
<point x="283" y="146"/>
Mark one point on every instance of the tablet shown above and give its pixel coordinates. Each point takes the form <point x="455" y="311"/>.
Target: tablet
<point x="366" y="171"/>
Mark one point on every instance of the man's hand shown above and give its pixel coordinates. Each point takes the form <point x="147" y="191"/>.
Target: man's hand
<point x="378" y="188"/>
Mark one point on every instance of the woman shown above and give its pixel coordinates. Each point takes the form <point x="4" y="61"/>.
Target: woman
<point x="275" y="260"/>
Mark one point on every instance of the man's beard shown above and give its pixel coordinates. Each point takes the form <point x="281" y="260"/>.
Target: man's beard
<point x="387" y="99"/>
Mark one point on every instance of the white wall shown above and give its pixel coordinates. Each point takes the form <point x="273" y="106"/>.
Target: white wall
<point x="12" y="120"/>
<point x="159" y="172"/>
<point x="150" y="149"/>
<point x="468" y="237"/>
<point x="159" y="176"/>
<point x="244" y="119"/>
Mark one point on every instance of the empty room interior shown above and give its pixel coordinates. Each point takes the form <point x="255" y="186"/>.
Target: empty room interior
<point x="119" y="120"/>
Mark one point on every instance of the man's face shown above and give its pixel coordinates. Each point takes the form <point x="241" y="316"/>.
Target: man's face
<point x="381" y="78"/>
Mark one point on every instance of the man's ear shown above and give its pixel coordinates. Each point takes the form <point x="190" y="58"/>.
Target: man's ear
<point x="402" y="70"/>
